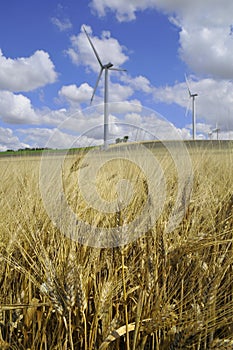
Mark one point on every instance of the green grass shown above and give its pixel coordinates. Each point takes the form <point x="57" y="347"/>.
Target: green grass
<point x="35" y="152"/>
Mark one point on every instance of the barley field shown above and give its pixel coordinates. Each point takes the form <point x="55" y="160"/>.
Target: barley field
<point x="163" y="290"/>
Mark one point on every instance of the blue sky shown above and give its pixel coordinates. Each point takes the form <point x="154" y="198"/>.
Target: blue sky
<point x="48" y="69"/>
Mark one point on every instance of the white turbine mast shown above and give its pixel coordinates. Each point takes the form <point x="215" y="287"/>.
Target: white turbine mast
<point x="216" y="130"/>
<point x="105" y="68"/>
<point x="192" y="96"/>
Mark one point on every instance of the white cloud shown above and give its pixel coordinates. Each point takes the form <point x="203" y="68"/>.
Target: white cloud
<point x="119" y="92"/>
<point x="207" y="50"/>
<point x="73" y="93"/>
<point x="206" y="40"/>
<point x="208" y="11"/>
<point x="203" y="128"/>
<point x="108" y="48"/>
<point x="158" y="127"/>
<point x="26" y="73"/>
<point x="133" y="118"/>
<point x="62" y="24"/>
<point x="125" y="107"/>
<point x="139" y="83"/>
<point x="214" y="102"/>
<point x="16" y="109"/>
<point x="223" y="135"/>
<point x="185" y="133"/>
<point x="41" y="137"/>
<point x="53" y="117"/>
<point x="9" y="141"/>
<point x="83" y="93"/>
<point x="125" y="10"/>
<point x="85" y="128"/>
<point x="76" y="120"/>
<point x="56" y="138"/>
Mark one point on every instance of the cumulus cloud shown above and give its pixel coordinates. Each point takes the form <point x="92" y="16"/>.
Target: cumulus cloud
<point x="206" y="40"/>
<point x="207" y="50"/>
<point x="139" y="83"/>
<point x="26" y="73"/>
<point x="73" y="119"/>
<point x="73" y="93"/>
<point x="125" y="10"/>
<point x="108" y="48"/>
<point x="206" y="44"/>
<point x="83" y="93"/>
<point x="85" y="128"/>
<point x="16" y="109"/>
<point x="42" y="136"/>
<point x="10" y="141"/>
<point x="214" y="102"/>
<point x="56" y="138"/>
<point x="119" y="92"/>
<point x="62" y="24"/>
<point x="52" y="117"/>
<point x="181" y="9"/>
<point x="125" y="107"/>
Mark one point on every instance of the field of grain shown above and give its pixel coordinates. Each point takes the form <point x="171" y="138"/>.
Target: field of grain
<point x="164" y="290"/>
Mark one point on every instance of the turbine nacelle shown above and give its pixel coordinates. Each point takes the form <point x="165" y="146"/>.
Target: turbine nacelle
<point x="109" y="65"/>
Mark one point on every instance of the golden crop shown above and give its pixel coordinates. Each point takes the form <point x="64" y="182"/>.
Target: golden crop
<point x="165" y="290"/>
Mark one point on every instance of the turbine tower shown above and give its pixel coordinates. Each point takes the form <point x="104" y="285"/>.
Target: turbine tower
<point x="192" y="96"/>
<point x="105" y="68"/>
<point x="216" y="130"/>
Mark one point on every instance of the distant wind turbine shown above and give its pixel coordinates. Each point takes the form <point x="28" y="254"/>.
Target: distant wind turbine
<point x="105" y="68"/>
<point x="192" y="96"/>
<point x="216" y="130"/>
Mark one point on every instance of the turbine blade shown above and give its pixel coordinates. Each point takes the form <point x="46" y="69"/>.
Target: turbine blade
<point x="187" y="83"/>
<point x="96" y="84"/>
<point x="187" y="108"/>
<point x="93" y="47"/>
<point x="118" y="69"/>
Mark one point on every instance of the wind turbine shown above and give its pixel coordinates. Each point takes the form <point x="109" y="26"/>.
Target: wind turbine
<point x="216" y="130"/>
<point x="105" y="68"/>
<point x="192" y="96"/>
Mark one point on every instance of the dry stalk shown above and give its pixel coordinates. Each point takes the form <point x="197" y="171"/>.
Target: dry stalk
<point x="181" y="282"/>
<point x="125" y="298"/>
